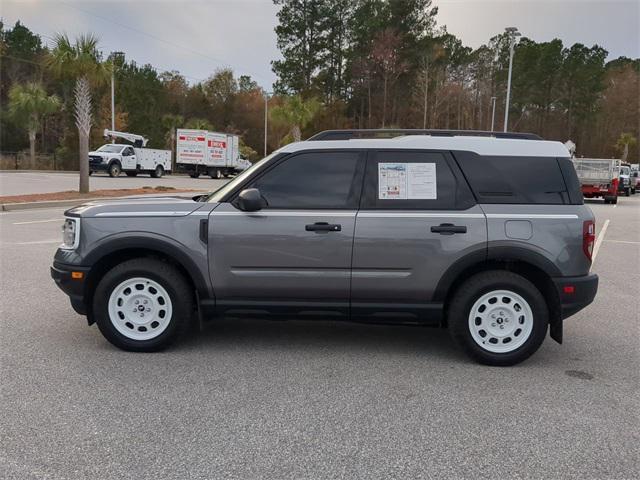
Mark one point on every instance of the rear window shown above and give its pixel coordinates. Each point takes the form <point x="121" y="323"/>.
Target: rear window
<point x="501" y="179"/>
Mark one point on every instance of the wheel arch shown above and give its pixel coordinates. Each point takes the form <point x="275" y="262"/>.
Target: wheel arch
<point x="116" y="251"/>
<point x="531" y="265"/>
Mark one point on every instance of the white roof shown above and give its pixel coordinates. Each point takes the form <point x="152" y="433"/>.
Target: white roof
<point x="479" y="145"/>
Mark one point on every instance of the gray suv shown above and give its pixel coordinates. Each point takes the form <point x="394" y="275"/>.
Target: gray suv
<point x="484" y="234"/>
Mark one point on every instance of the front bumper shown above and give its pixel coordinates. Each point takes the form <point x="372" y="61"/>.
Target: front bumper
<point x="575" y="293"/>
<point x="98" y="166"/>
<point x="73" y="287"/>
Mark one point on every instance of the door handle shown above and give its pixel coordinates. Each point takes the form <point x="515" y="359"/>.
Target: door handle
<point x="323" y="227"/>
<point x="449" y="229"/>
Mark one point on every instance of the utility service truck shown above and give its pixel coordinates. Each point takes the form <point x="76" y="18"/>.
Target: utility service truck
<point x="114" y="158"/>
<point x="599" y="177"/>
<point x="200" y="152"/>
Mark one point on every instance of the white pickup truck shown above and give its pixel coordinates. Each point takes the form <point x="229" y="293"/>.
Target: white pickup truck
<point x="114" y="158"/>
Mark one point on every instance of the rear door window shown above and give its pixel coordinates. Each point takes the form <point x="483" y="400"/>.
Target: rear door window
<point x="512" y="179"/>
<point x="412" y="179"/>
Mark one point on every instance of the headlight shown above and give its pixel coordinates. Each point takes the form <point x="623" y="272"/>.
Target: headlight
<point x="70" y="233"/>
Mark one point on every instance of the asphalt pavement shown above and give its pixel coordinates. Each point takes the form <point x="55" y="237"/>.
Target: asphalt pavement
<point x="24" y="183"/>
<point x="251" y="399"/>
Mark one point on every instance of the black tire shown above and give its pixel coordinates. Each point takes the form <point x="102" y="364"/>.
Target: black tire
<point x="131" y="174"/>
<point x="170" y="278"/>
<point x="90" y="172"/>
<point x="614" y="200"/>
<point x="627" y="192"/>
<point x="158" y="172"/>
<point x="194" y="174"/>
<point x="114" y="169"/>
<point x="607" y="201"/>
<point x="460" y="305"/>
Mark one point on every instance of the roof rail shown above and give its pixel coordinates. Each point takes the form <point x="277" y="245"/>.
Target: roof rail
<point x="393" y="132"/>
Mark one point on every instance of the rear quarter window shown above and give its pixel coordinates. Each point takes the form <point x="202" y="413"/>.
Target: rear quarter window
<point x="514" y="179"/>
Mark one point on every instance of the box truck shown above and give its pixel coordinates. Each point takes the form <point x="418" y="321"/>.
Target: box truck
<point x="200" y="152"/>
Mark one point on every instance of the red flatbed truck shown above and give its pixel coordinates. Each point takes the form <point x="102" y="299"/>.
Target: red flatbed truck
<point x="599" y="177"/>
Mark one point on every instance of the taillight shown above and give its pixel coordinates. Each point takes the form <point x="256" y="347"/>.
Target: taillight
<point x="588" y="237"/>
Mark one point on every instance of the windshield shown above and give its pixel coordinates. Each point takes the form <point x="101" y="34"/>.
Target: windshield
<point x="624" y="171"/>
<point x="110" y="148"/>
<point x="219" y="194"/>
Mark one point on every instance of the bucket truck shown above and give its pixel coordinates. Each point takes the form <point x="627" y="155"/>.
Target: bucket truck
<point x="115" y="158"/>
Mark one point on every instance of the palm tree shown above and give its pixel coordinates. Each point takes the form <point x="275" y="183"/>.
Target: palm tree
<point x="296" y="113"/>
<point x="625" y="141"/>
<point x="171" y="123"/>
<point x="28" y="104"/>
<point x="199" y="124"/>
<point x="80" y="60"/>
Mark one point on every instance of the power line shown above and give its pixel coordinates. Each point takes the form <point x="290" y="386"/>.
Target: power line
<point x="160" y="39"/>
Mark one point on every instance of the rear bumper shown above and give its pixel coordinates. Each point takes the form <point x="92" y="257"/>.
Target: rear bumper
<point x="74" y="288"/>
<point x="575" y="293"/>
<point x="597" y="191"/>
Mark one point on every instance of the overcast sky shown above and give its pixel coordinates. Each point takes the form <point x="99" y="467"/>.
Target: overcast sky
<point x="196" y="37"/>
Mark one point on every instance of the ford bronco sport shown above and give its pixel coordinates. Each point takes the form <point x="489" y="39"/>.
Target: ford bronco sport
<point x="484" y="234"/>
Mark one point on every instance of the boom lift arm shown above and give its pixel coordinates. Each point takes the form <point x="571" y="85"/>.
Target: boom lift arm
<point x="137" y="140"/>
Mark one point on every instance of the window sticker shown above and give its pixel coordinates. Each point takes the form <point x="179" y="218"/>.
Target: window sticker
<point x="392" y="181"/>
<point x="407" y="181"/>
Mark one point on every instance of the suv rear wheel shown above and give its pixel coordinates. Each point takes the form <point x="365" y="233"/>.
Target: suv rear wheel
<point x="498" y="318"/>
<point x="142" y="305"/>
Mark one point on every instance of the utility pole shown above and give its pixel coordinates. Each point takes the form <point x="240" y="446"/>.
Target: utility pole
<point x="512" y="32"/>
<point x="493" y="112"/>
<point x="113" y="102"/>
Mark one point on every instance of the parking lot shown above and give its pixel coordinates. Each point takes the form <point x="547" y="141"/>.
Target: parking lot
<point x="253" y="399"/>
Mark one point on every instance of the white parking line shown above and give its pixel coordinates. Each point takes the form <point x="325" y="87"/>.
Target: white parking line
<point x="599" y="240"/>
<point x="37" y="242"/>
<point x="623" y="241"/>
<point x="38" y="221"/>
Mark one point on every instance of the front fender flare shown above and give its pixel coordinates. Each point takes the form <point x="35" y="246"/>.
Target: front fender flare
<point x="151" y="242"/>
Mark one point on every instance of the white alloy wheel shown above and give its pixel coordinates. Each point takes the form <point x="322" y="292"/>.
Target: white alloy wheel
<point x="500" y="321"/>
<point x="140" y="308"/>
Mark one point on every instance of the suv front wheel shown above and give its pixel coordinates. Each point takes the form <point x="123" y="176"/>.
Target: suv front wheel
<point x="498" y="318"/>
<point x="142" y="305"/>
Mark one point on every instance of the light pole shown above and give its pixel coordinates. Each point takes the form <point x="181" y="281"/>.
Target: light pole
<point x="512" y="32"/>
<point x="266" y="119"/>
<point x="493" y="112"/>
<point x="114" y="55"/>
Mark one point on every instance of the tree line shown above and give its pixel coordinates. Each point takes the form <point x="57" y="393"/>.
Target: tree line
<point x="381" y="63"/>
<point x="345" y="64"/>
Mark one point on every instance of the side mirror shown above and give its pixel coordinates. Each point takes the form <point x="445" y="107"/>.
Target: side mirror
<point x="250" y="200"/>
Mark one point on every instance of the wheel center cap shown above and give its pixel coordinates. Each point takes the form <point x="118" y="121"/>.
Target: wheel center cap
<point x="141" y="308"/>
